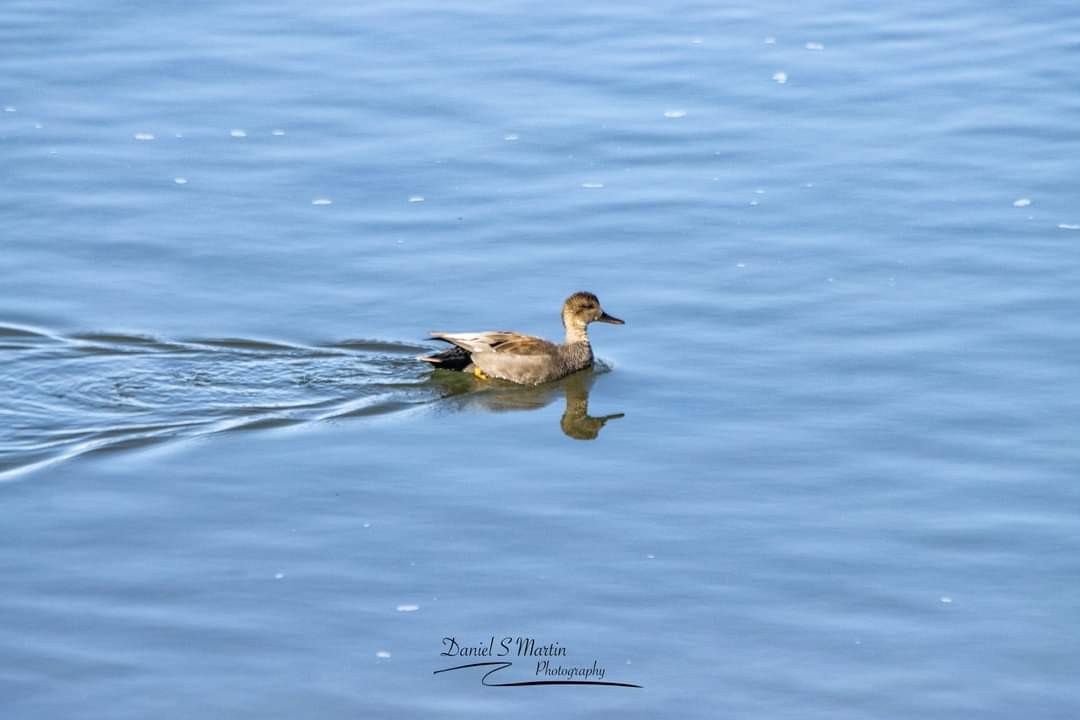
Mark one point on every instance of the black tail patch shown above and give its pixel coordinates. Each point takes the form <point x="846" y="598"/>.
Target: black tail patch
<point x="453" y="359"/>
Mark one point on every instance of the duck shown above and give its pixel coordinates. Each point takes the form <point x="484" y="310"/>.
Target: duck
<point x="524" y="359"/>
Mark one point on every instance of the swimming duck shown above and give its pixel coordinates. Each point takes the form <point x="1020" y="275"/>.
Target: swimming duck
<point x="523" y="358"/>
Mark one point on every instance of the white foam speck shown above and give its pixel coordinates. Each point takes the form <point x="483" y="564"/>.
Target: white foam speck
<point x="367" y="524"/>
<point x="322" y="201"/>
<point x="383" y="654"/>
<point x="754" y="203"/>
<point x="277" y="131"/>
<point x="814" y="46"/>
<point x="740" y="265"/>
<point x="1068" y="226"/>
<point x="38" y="126"/>
<point x="238" y="133"/>
<point x="946" y="599"/>
<point x="179" y="135"/>
<point x="770" y="41"/>
<point x="180" y="180"/>
<point x="416" y="198"/>
<point x="408" y="608"/>
<point x="279" y="576"/>
<point x="8" y="108"/>
<point x="144" y="136"/>
<point x="511" y="137"/>
<point x="808" y="184"/>
<point x="697" y="41"/>
<point x="650" y="556"/>
<point x="674" y="113"/>
<point x="1022" y="202"/>
<point x="780" y="77"/>
<point x="759" y="191"/>
<point x="592" y="185"/>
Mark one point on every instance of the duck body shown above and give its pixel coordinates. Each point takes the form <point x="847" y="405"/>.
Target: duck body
<point x="511" y="356"/>
<point x="521" y="358"/>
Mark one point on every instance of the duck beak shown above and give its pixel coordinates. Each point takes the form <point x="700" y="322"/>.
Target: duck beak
<point x="604" y="317"/>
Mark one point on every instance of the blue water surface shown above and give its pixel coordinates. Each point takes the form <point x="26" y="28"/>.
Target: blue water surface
<point x="826" y="470"/>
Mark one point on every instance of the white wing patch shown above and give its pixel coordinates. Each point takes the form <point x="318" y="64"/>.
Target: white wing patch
<point x="473" y="342"/>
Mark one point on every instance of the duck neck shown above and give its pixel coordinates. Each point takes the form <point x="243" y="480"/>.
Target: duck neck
<point x="576" y="333"/>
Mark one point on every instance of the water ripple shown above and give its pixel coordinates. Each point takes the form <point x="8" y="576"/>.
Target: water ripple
<point x="82" y="393"/>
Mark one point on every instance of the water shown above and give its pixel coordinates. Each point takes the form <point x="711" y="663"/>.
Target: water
<point x="825" y="470"/>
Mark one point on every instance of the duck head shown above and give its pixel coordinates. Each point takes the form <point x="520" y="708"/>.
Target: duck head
<point x="579" y="310"/>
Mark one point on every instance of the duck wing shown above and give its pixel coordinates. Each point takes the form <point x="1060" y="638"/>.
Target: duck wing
<point x="498" y="341"/>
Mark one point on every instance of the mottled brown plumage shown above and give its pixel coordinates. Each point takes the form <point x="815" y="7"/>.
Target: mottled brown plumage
<point x="523" y="358"/>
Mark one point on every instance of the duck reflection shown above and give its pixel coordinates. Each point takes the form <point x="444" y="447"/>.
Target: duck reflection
<point x="497" y="396"/>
